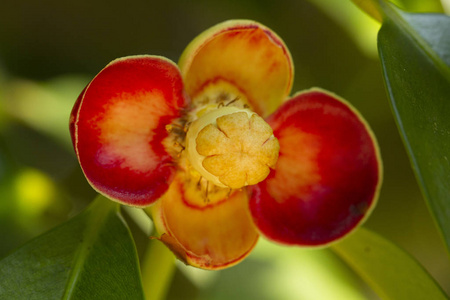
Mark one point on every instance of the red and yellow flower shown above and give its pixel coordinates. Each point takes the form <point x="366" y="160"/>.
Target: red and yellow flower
<point x="220" y="153"/>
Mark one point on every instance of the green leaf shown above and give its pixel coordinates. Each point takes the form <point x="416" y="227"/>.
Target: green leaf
<point x="390" y="271"/>
<point x="415" y="54"/>
<point x="92" y="256"/>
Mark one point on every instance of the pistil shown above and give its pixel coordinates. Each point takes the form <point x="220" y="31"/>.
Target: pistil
<point x="232" y="147"/>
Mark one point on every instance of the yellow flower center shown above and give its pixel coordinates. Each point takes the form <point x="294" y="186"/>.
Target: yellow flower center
<point x="232" y="147"/>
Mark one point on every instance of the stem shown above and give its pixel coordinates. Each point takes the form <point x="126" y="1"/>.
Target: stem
<point x="158" y="267"/>
<point x="141" y="219"/>
<point x="157" y="263"/>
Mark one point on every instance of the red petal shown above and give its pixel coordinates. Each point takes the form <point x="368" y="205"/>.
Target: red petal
<point x="118" y="128"/>
<point x="327" y="177"/>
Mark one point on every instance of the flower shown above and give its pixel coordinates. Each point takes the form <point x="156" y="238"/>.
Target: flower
<point x="220" y="154"/>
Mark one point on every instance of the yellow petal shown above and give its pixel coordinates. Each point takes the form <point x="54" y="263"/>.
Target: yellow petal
<point x="239" y="55"/>
<point x="213" y="235"/>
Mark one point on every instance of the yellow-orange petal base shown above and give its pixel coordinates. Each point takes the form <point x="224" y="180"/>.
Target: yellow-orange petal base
<point x="212" y="231"/>
<point x="327" y="177"/>
<point x="242" y="58"/>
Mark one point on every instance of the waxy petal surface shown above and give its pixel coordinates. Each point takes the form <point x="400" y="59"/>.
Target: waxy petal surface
<point x="118" y="128"/>
<point x="209" y="235"/>
<point x="244" y="54"/>
<point x="327" y="177"/>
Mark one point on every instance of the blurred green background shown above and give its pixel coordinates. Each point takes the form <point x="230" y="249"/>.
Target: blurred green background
<point x="49" y="50"/>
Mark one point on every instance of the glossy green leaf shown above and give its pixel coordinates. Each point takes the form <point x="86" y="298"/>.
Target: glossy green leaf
<point x="391" y="272"/>
<point x="92" y="256"/>
<point x="415" y="54"/>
